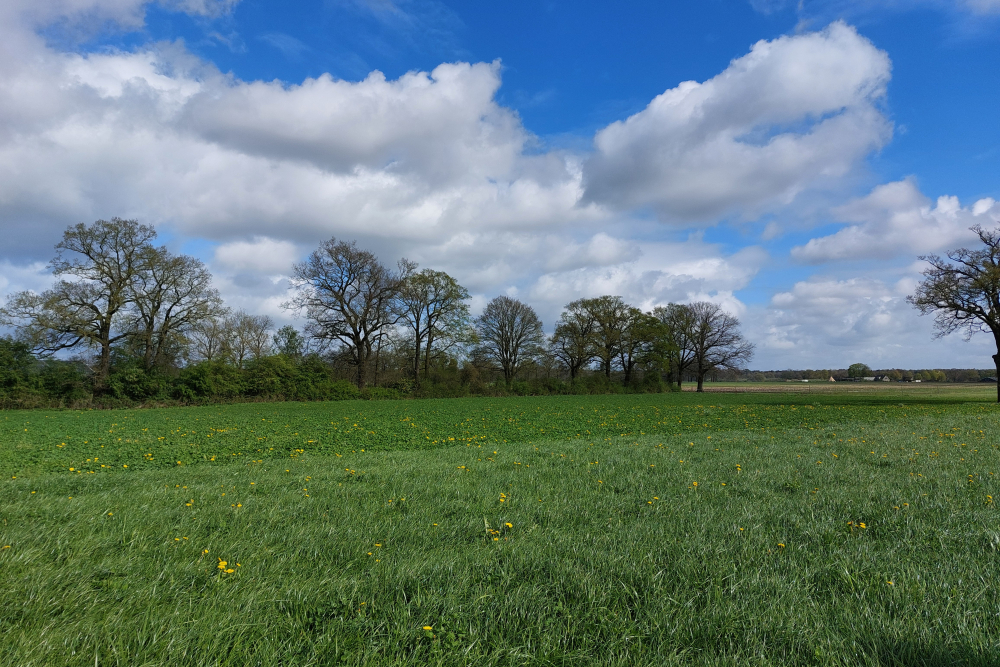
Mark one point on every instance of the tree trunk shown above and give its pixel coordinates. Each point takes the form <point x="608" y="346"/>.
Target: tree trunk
<point x="416" y="360"/>
<point x="996" y="362"/>
<point x="361" y="359"/>
<point x="103" y="369"/>
<point x="427" y="353"/>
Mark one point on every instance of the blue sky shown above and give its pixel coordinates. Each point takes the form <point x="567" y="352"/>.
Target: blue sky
<point x="549" y="150"/>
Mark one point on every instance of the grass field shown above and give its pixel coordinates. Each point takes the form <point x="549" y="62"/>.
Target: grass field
<point x="833" y="528"/>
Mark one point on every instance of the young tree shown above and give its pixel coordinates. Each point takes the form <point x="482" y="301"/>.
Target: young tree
<point x="716" y="340"/>
<point x="209" y="339"/>
<point x="348" y="297"/>
<point x="510" y="334"/>
<point x="248" y="336"/>
<point x="962" y="289"/>
<point x="572" y="342"/>
<point x="102" y="261"/>
<point x="433" y="307"/>
<point x="289" y="342"/>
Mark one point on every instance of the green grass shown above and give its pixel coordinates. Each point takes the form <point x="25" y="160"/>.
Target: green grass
<point x="654" y="539"/>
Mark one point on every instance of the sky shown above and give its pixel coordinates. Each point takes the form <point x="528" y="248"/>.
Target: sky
<point x="790" y="161"/>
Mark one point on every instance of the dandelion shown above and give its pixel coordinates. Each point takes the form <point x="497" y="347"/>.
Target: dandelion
<point x="781" y="545"/>
<point x="509" y="525"/>
<point x="428" y="628"/>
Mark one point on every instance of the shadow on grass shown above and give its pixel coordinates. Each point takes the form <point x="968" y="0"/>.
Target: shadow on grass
<point x="906" y="653"/>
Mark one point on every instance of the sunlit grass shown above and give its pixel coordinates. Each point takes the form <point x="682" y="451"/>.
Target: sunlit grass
<point x="866" y="537"/>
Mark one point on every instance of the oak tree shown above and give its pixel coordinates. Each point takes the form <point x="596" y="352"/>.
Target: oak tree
<point x="510" y="334"/>
<point x="962" y="290"/>
<point x="348" y="297"/>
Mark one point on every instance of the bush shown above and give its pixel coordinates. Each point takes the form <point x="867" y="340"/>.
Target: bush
<point x="209" y="380"/>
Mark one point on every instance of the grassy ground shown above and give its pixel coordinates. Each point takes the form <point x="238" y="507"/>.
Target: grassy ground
<point x="674" y="529"/>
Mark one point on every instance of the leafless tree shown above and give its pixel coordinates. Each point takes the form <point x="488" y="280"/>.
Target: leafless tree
<point x="715" y="339"/>
<point x="248" y="336"/>
<point x="510" y="334"/>
<point x="102" y="261"/>
<point x="434" y="308"/>
<point x="349" y="297"/>
<point x="572" y="343"/>
<point x="962" y="289"/>
<point x="209" y="338"/>
<point x="172" y="294"/>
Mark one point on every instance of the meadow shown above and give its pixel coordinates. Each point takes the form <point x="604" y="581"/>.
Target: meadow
<point x="827" y="528"/>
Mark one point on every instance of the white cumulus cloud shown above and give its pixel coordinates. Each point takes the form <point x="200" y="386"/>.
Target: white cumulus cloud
<point x="795" y="112"/>
<point x="896" y="219"/>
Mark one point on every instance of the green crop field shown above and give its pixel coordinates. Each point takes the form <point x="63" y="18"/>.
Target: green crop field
<point x="811" y="528"/>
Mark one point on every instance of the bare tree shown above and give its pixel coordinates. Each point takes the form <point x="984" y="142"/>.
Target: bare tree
<point x="209" y="338"/>
<point x="92" y="307"/>
<point x="348" y="297"/>
<point x="962" y="289"/>
<point x="172" y="294"/>
<point x="572" y="343"/>
<point x="715" y="340"/>
<point x="675" y="342"/>
<point x="510" y="334"/>
<point x="433" y="307"/>
<point x="248" y="336"/>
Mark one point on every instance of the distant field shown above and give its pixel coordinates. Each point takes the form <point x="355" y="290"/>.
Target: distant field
<point x="972" y="391"/>
<point x="724" y="529"/>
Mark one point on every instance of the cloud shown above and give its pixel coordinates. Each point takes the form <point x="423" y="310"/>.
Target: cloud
<point x="842" y="8"/>
<point x="82" y="17"/>
<point x="261" y="255"/>
<point x="428" y="166"/>
<point x="440" y="125"/>
<point x="831" y="323"/>
<point x="794" y="113"/>
<point x="659" y="274"/>
<point x="896" y="219"/>
<point x="289" y="46"/>
<point x="983" y="6"/>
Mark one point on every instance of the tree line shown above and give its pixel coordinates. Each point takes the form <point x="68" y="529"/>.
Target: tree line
<point x="128" y="319"/>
